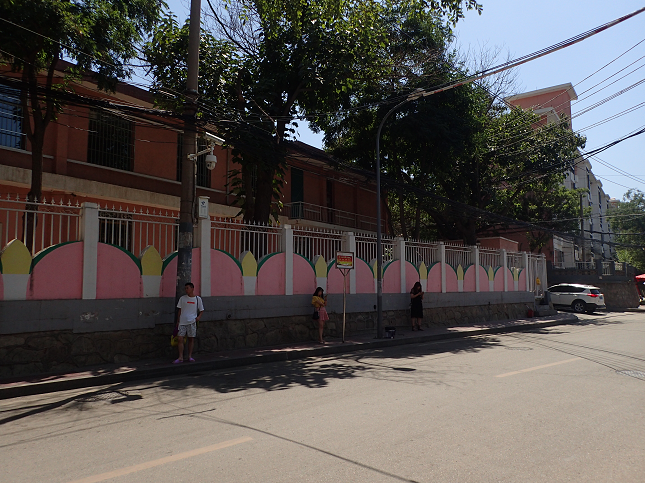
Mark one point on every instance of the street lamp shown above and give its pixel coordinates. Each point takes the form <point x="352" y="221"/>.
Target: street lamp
<point x="379" y="247"/>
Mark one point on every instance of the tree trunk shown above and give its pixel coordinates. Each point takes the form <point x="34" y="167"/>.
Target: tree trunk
<point x="35" y="195"/>
<point x="249" y="199"/>
<point x="263" y="196"/>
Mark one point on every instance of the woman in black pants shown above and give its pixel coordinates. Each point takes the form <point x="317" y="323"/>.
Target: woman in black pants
<point x="416" y="309"/>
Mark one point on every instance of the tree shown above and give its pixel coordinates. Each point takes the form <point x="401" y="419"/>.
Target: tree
<point x="291" y="58"/>
<point x="463" y="148"/>
<point x="628" y="224"/>
<point x="99" y="36"/>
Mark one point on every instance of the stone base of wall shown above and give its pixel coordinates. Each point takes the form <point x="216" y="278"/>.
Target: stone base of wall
<point x="65" y="350"/>
<point x="619" y="295"/>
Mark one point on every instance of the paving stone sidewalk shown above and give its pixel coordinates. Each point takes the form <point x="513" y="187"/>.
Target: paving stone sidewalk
<point x="115" y="373"/>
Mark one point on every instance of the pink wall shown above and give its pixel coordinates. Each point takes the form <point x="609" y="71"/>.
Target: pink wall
<point x="522" y="281"/>
<point x="226" y="276"/>
<point x="469" y="279"/>
<point x="364" y="277"/>
<point x="451" y="279"/>
<point x="271" y="276"/>
<point x="169" y="276"/>
<point x="434" y="278"/>
<point x="499" y="279"/>
<point x="411" y="276"/>
<point x="483" y="280"/>
<point x="304" y="277"/>
<point x="118" y="276"/>
<point x="58" y="275"/>
<point x="392" y="277"/>
<point x="335" y="279"/>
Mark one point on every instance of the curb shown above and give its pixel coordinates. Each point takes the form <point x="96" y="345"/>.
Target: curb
<point x="134" y="374"/>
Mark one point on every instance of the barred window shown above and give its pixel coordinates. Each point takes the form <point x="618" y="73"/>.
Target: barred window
<point x="11" y="132"/>
<point x="203" y="174"/>
<point x="110" y="141"/>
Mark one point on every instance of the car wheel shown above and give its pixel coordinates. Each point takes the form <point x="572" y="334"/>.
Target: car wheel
<point x="579" y="306"/>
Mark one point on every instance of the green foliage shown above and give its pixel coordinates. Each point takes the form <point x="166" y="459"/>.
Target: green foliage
<point x="462" y="146"/>
<point x="628" y="222"/>
<point x="282" y="59"/>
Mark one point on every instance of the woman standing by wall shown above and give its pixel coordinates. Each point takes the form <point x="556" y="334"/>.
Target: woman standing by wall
<point x="416" y="308"/>
<point x="319" y="301"/>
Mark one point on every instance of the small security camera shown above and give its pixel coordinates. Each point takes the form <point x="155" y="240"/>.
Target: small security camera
<point x="211" y="161"/>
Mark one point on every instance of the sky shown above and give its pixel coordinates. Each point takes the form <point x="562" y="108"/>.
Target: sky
<point x="519" y="27"/>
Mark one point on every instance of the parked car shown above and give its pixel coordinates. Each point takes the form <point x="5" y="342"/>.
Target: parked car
<point x="581" y="298"/>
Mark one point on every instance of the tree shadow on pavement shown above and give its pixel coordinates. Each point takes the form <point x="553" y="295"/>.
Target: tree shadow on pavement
<point x="317" y="372"/>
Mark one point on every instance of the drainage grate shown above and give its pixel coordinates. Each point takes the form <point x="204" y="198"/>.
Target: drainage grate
<point x="519" y="348"/>
<point x="637" y="374"/>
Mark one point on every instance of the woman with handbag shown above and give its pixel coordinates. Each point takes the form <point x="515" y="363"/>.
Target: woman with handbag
<point x="319" y="300"/>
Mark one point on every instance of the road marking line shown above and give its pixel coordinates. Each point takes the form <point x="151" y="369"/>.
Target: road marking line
<point x="539" y="367"/>
<point x="161" y="461"/>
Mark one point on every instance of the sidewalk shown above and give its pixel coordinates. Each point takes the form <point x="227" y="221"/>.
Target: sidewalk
<point x="114" y="373"/>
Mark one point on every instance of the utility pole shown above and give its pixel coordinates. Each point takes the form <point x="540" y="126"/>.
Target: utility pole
<point x="187" y="204"/>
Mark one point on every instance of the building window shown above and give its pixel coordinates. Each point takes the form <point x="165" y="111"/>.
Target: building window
<point x="110" y="141"/>
<point x="203" y="174"/>
<point x="11" y="132"/>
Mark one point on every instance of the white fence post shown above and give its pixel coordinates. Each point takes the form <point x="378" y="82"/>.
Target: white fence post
<point x="525" y="257"/>
<point x="90" y="237"/>
<point x="475" y="251"/>
<point x="349" y="245"/>
<point x="504" y="268"/>
<point x="442" y="260"/>
<point x="204" y="240"/>
<point x="287" y="248"/>
<point x="399" y="254"/>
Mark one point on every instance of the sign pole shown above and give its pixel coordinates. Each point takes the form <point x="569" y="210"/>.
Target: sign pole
<point x="344" y="263"/>
<point x="344" y="299"/>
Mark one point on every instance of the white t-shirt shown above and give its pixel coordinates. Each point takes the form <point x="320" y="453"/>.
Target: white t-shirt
<point x="189" y="307"/>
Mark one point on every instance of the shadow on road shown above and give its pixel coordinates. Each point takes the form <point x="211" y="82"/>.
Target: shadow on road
<point x="318" y="372"/>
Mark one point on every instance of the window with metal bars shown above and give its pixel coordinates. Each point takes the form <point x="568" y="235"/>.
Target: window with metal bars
<point x="110" y="141"/>
<point x="203" y="173"/>
<point x="11" y="132"/>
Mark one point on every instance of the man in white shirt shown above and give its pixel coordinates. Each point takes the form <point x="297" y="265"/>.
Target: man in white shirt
<point x="190" y="311"/>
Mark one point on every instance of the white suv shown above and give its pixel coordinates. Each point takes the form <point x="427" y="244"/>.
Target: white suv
<point x="581" y="298"/>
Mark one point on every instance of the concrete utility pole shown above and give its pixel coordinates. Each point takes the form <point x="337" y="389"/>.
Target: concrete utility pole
<point x="187" y="204"/>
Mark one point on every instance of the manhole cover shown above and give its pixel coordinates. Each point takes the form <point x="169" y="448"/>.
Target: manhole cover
<point x="519" y="348"/>
<point x="103" y="396"/>
<point x="637" y="374"/>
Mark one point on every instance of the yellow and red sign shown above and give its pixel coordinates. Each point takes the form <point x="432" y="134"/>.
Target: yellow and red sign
<point x="345" y="260"/>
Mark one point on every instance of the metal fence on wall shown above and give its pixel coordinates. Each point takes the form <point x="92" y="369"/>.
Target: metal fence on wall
<point x="311" y="242"/>
<point x="366" y="248"/>
<point x="134" y="229"/>
<point x="49" y="221"/>
<point x="419" y="251"/>
<point x="235" y="237"/>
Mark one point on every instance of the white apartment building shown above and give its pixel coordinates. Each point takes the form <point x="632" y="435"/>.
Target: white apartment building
<point x="551" y="103"/>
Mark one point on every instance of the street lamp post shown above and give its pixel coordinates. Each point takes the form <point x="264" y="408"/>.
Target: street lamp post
<point x="379" y="247"/>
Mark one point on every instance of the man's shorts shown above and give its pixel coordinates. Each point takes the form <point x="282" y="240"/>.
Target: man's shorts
<point x="189" y="330"/>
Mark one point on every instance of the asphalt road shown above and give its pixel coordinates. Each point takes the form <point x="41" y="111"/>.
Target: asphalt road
<point x="552" y="405"/>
